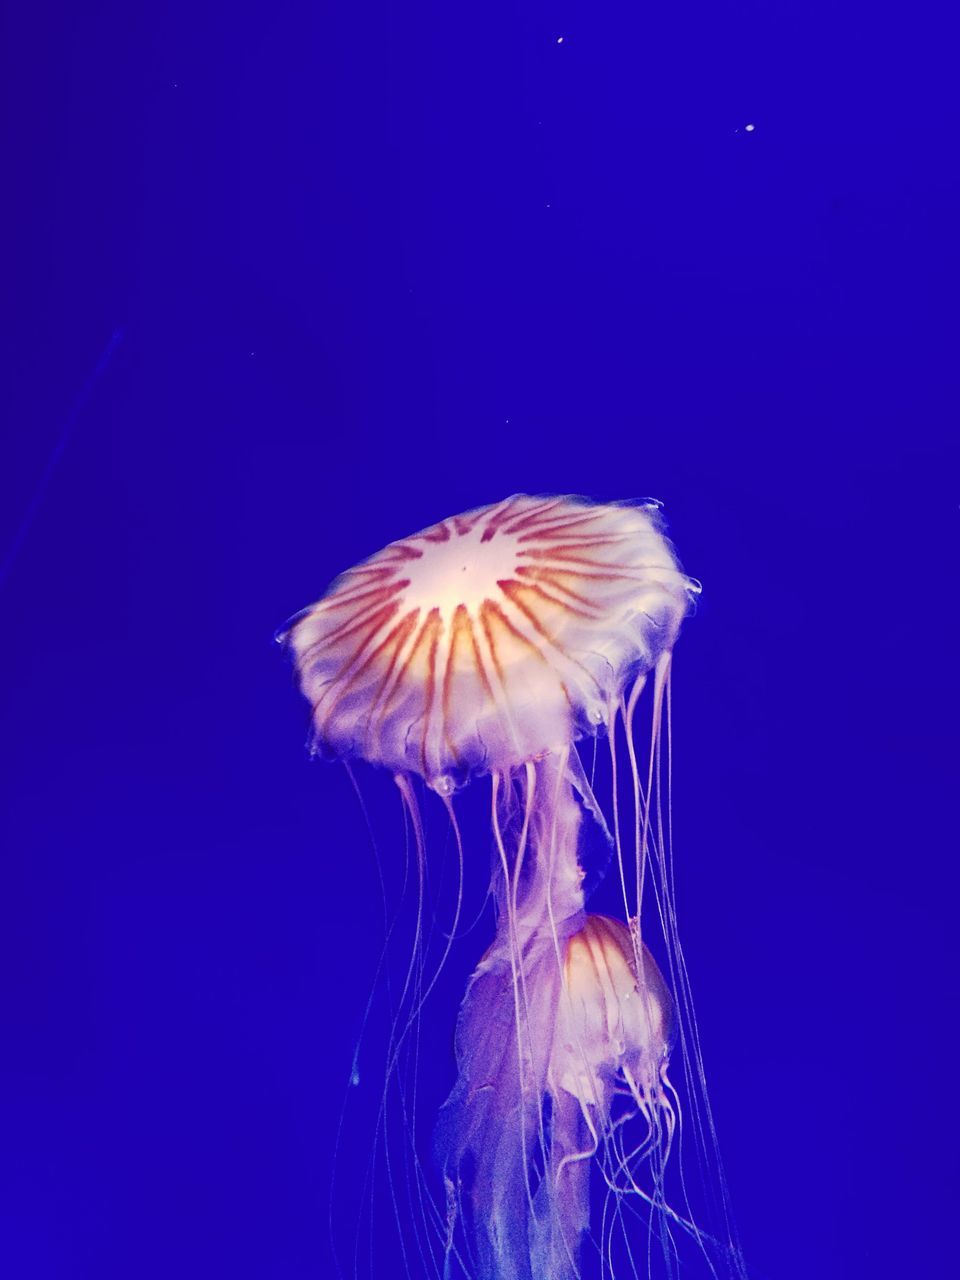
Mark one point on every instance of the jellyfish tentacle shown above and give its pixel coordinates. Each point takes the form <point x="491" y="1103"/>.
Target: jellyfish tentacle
<point x="398" y="1036"/>
<point x="519" y="1006"/>
<point x="427" y="1225"/>
<point x="450" y="937"/>
<point x="639" y="803"/>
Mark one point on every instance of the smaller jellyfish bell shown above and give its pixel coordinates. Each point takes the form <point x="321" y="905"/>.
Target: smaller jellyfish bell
<point x="614" y="1019"/>
<point x="607" y="1066"/>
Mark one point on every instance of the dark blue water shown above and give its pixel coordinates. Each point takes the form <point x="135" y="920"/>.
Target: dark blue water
<point x="287" y="281"/>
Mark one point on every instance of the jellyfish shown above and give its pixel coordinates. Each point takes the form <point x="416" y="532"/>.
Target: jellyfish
<point x="503" y="644"/>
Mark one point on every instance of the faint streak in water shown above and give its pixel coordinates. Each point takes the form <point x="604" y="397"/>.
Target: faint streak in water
<point x="43" y="484"/>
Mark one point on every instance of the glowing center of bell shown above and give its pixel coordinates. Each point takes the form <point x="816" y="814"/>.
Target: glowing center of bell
<point x="464" y="570"/>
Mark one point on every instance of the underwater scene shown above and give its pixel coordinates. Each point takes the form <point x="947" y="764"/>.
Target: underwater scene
<point x="478" y="547"/>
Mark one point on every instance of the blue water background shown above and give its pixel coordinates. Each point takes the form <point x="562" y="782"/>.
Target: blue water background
<point x="287" y="281"/>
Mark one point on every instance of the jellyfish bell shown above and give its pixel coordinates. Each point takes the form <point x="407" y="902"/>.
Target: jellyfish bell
<point x="491" y="638"/>
<point x="614" y="1021"/>
<point x="611" y="1045"/>
<point x="491" y="644"/>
